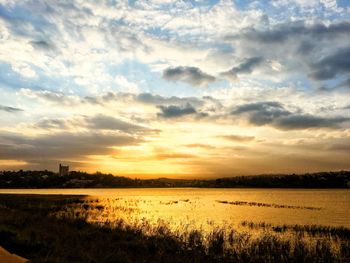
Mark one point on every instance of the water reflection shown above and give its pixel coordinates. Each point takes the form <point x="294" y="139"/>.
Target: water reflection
<point x="184" y="217"/>
<point x="201" y="206"/>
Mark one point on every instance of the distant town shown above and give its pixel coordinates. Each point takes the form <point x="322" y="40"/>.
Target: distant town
<point x="78" y="179"/>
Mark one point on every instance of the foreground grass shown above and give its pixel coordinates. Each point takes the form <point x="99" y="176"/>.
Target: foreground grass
<point x="29" y="228"/>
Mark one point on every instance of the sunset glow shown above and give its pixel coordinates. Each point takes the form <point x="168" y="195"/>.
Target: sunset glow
<point x="180" y="89"/>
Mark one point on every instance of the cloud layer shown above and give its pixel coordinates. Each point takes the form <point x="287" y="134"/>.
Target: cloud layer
<point x="274" y="114"/>
<point x="200" y="88"/>
<point x="191" y="75"/>
<point x="9" y="109"/>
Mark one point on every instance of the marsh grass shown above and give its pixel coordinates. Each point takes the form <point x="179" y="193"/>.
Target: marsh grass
<point x="218" y="242"/>
<point x="313" y="230"/>
<point x="244" y="203"/>
<point x="81" y="229"/>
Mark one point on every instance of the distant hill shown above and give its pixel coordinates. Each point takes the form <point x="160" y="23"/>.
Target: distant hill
<point x="77" y="179"/>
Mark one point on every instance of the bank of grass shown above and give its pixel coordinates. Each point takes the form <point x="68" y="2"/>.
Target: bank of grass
<point x="29" y="228"/>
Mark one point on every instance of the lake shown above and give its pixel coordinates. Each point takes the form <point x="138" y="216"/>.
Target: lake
<point x="206" y="208"/>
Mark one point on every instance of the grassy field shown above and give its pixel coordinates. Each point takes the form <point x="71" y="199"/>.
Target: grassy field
<point x="35" y="227"/>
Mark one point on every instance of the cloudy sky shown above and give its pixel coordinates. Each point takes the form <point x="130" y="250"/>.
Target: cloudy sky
<point x="186" y="89"/>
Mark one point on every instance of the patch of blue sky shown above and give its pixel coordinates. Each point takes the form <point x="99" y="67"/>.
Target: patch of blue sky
<point x="130" y="69"/>
<point x="219" y="84"/>
<point x="299" y="82"/>
<point x="343" y="3"/>
<point x="20" y="18"/>
<point x="295" y="81"/>
<point x="41" y="81"/>
<point x="15" y="12"/>
<point x="215" y="47"/>
<point x="181" y="36"/>
<point x="207" y="3"/>
<point x="112" y="2"/>
<point x="223" y="47"/>
<point x="8" y="96"/>
<point x="160" y="32"/>
<point x="248" y="4"/>
<point x="10" y="78"/>
<point x="284" y="12"/>
<point x="334" y="83"/>
<point x="130" y="2"/>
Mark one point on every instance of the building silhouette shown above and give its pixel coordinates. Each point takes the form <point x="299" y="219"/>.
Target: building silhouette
<point x="63" y="170"/>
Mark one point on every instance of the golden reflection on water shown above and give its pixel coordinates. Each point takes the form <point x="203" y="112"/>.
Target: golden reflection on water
<point x="178" y="212"/>
<point x="207" y="209"/>
<point x="242" y="215"/>
<point x="200" y="208"/>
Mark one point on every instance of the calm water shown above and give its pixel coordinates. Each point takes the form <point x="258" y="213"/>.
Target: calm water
<point x="200" y="207"/>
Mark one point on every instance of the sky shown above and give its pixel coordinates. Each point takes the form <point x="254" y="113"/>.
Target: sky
<point x="179" y="89"/>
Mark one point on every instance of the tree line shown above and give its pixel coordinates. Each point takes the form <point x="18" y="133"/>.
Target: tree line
<point x="78" y="179"/>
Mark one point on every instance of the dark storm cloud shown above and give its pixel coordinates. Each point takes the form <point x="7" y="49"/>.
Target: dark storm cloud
<point x="247" y="66"/>
<point x="110" y="123"/>
<point x="321" y="50"/>
<point x="206" y="103"/>
<point x="261" y="113"/>
<point x="91" y="100"/>
<point x="42" y="45"/>
<point x="191" y="75"/>
<point x="61" y="145"/>
<point x="307" y="121"/>
<point x="274" y="114"/>
<point x="173" y="111"/>
<point x="264" y="107"/>
<point x="149" y="98"/>
<point x="332" y="65"/>
<point x="9" y="109"/>
<point x="292" y="30"/>
<point x="305" y="47"/>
